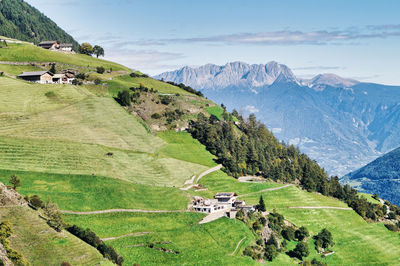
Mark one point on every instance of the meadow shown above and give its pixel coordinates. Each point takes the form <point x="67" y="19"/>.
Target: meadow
<point x="18" y="69"/>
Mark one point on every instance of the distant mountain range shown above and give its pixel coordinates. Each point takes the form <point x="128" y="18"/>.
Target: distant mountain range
<point x="341" y="123"/>
<point x="381" y="176"/>
<point x="21" y="21"/>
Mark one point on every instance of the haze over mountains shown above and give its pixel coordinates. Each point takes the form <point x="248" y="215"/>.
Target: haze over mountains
<point x="341" y="123"/>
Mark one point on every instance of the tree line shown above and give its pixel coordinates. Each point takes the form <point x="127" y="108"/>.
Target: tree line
<point x="247" y="147"/>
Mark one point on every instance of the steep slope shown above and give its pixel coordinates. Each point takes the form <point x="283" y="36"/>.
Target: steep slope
<point x="38" y="242"/>
<point x="341" y="123"/>
<point x="381" y="176"/>
<point x="21" y="21"/>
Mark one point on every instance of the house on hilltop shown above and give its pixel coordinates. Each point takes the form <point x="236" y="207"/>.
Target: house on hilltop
<point x="56" y="46"/>
<point x="49" y="45"/>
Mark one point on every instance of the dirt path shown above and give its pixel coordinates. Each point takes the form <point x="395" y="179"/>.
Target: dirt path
<point x="264" y="190"/>
<point x="237" y="246"/>
<point x="126" y="235"/>
<point x="216" y="168"/>
<point x="121" y="210"/>
<point x="193" y="181"/>
<point x="321" y="207"/>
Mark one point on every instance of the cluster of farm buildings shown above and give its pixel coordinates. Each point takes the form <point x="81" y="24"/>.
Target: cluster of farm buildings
<point x="223" y="201"/>
<point x="46" y="77"/>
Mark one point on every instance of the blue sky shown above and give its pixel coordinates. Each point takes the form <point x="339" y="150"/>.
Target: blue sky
<point x="355" y="39"/>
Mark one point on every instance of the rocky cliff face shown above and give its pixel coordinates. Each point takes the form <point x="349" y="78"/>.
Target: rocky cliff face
<point x="342" y="123"/>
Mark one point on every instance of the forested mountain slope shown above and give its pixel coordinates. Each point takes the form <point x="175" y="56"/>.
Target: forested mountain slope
<point x="21" y="21"/>
<point x="381" y="176"/>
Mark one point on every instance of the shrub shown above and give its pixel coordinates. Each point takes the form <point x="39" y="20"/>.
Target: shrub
<point x="50" y="94"/>
<point x="100" y="70"/>
<point x="64" y="263"/>
<point x="288" y="233"/>
<point x="15" y="181"/>
<point x="270" y="252"/>
<point x="323" y="239"/>
<point x="80" y="76"/>
<point x="391" y="215"/>
<point x="166" y="100"/>
<point x="392" y="227"/>
<point x="124" y="98"/>
<point x="97" y="81"/>
<point x="301" y="250"/>
<point x="156" y="116"/>
<point x="301" y="233"/>
<point x="36" y="202"/>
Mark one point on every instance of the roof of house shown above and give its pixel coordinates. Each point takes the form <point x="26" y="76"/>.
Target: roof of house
<point x="225" y="195"/>
<point x="58" y="75"/>
<point x="63" y="45"/>
<point x="35" y="73"/>
<point x="47" y="42"/>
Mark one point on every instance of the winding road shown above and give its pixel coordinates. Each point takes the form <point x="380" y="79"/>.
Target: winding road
<point x="193" y="181"/>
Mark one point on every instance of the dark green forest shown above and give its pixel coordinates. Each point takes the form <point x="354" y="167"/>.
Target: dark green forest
<point x="21" y="21"/>
<point x="249" y="148"/>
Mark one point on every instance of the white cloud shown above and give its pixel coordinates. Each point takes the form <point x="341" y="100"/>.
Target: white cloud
<point x="251" y="109"/>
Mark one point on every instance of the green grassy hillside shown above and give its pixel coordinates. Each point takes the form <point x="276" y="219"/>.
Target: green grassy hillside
<point x="42" y="245"/>
<point x="76" y="146"/>
<point x="22" y="52"/>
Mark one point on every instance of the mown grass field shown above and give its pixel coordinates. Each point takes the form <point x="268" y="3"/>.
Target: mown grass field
<point x="25" y="98"/>
<point x="215" y="110"/>
<point x="31" y="53"/>
<point x="88" y="193"/>
<point x="71" y="132"/>
<point x="197" y="244"/>
<point x="41" y="245"/>
<point x="183" y="147"/>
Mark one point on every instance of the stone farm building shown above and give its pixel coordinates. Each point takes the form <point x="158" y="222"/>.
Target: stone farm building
<point x="223" y="201"/>
<point x="46" y="77"/>
<point x="55" y="46"/>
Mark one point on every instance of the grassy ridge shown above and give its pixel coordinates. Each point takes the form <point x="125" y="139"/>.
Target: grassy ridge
<point x="30" y="53"/>
<point x="88" y="193"/>
<point x="34" y="238"/>
<point x="125" y="82"/>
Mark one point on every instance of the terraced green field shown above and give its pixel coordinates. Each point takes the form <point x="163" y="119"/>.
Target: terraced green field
<point x="31" y="53"/>
<point x="208" y="244"/>
<point x="88" y="193"/>
<point x="34" y="238"/>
